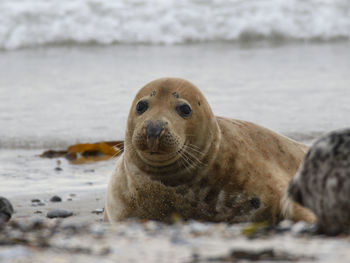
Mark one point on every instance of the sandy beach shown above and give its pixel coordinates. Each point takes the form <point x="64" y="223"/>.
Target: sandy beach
<point x="69" y="71"/>
<point x="83" y="237"/>
<point x="86" y="206"/>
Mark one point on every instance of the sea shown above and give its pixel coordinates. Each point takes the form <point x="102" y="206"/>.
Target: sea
<point x="69" y="70"/>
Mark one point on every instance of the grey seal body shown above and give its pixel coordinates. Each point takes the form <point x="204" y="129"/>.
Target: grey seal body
<point x="322" y="183"/>
<point x="6" y="209"/>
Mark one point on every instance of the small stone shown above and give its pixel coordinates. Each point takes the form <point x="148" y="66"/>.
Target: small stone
<point x="300" y="227"/>
<point x="36" y="200"/>
<point x="38" y="212"/>
<point x="58" y="169"/>
<point x="285" y="225"/>
<point x="70" y="199"/>
<point x="40" y="203"/>
<point x="59" y="213"/>
<point x="56" y="198"/>
<point x="89" y="171"/>
<point x="98" y="211"/>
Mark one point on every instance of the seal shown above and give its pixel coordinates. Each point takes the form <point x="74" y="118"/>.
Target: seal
<point x="180" y="159"/>
<point x="323" y="182"/>
<point x="6" y="209"/>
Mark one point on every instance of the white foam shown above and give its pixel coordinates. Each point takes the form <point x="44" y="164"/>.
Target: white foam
<point x="26" y="23"/>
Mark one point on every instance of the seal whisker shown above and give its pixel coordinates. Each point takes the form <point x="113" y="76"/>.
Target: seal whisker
<point x="187" y="165"/>
<point x="195" y="161"/>
<point x="193" y="154"/>
<point x="190" y="146"/>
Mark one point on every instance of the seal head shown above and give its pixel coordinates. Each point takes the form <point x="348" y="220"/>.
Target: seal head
<point x="168" y="121"/>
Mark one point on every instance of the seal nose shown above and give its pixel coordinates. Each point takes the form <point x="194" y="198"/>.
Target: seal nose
<point x="154" y="130"/>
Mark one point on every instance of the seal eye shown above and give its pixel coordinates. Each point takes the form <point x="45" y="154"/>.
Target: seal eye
<point x="184" y="110"/>
<point x="141" y="106"/>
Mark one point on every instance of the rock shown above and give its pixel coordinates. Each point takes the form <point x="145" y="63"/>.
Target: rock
<point x="56" y="198"/>
<point x="59" y="213"/>
<point x="38" y="204"/>
<point x="300" y="227"/>
<point x="35" y="200"/>
<point x="6" y="209"/>
<point x="58" y="169"/>
<point x="98" y="211"/>
<point x="283" y="226"/>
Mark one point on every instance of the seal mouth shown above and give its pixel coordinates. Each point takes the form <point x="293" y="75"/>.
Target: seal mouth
<point x="168" y="158"/>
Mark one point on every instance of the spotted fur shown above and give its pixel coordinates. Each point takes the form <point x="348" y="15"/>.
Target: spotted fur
<point x="323" y="182"/>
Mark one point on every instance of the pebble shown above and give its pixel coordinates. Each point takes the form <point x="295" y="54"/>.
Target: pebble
<point x="36" y="200"/>
<point x="98" y="211"/>
<point x="59" y="213"/>
<point x="38" y="204"/>
<point x="300" y="227"/>
<point x="58" y="169"/>
<point x="285" y="225"/>
<point x="56" y="198"/>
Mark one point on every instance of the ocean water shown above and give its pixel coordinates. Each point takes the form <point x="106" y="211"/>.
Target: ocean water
<point x="36" y="22"/>
<point x="70" y="69"/>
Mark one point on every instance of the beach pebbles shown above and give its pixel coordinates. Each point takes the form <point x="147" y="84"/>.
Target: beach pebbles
<point x="6" y="209"/>
<point x="59" y="213"/>
<point x="56" y="198"/>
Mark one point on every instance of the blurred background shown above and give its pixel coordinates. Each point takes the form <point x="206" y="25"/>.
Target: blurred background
<point x="70" y="69"/>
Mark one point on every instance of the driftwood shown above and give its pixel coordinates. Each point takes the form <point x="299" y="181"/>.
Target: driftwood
<point x="88" y="152"/>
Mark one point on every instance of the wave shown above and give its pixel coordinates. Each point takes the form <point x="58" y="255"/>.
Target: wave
<point x="28" y="23"/>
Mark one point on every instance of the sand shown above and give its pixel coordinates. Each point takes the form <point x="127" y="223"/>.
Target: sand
<point x="32" y="237"/>
<point x="82" y="204"/>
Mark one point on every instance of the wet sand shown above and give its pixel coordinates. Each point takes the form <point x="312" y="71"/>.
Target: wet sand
<point x="83" y="205"/>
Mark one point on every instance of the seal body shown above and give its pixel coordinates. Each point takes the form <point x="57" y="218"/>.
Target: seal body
<point x="323" y="182"/>
<point x="6" y="209"/>
<point x="181" y="159"/>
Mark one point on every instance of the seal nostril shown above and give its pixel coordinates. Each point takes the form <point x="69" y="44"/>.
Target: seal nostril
<point x="153" y="130"/>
